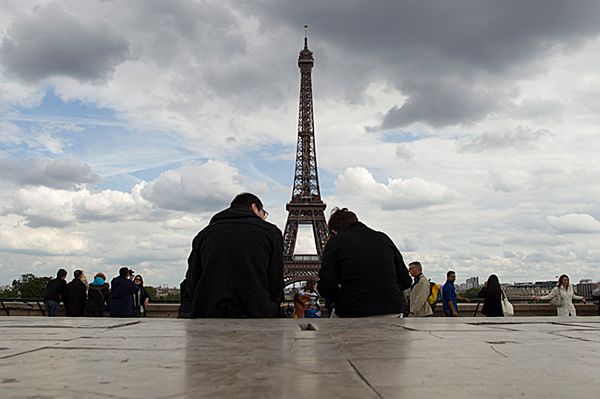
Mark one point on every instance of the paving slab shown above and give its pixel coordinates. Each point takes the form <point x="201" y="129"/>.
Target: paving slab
<point x="546" y="357"/>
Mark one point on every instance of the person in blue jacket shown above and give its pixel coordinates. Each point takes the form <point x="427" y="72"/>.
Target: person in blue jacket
<point x="121" y="294"/>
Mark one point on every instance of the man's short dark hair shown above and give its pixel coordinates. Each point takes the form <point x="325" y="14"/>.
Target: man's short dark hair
<point x="124" y="272"/>
<point x="416" y="264"/>
<point x="247" y="199"/>
<point x="61" y="273"/>
<point x="450" y="273"/>
<point x="77" y="273"/>
<point x="341" y="220"/>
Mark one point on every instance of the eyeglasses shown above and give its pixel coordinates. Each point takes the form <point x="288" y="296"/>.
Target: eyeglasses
<point x="265" y="212"/>
<point x="137" y="279"/>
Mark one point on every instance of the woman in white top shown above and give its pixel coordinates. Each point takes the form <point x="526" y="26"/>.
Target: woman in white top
<point x="562" y="296"/>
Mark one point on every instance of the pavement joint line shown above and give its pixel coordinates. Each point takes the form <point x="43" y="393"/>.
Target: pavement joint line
<point x="83" y="393"/>
<point x="405" y="328"/>
<point x="130" y="323"/>
<point x="498" y="352"/>
<point x="362" y="377"/>
<point x="23" y="353"/>
<point x="558" y="334"/>
<point x="119" y="348"/>
<point x="436" y="336"/>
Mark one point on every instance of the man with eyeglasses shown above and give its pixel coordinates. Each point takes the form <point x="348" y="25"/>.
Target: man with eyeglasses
<point x="235" y="269"/>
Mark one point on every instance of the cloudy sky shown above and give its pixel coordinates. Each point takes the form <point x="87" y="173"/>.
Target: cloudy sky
<point x="466" y="130"/>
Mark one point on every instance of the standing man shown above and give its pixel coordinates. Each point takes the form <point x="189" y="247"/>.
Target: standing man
<point x="362" y="271"/>
<point x="235" y="269"/>
<point x="55" y="291"/>
<point x="449" y="296"/>
<point x="419" y="292"/>
<point x="75" y="296"/>
<point x="122" y="290"/>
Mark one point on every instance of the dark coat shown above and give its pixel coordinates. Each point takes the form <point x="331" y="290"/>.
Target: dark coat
<point x="235" y="268"/>
<point x="492" y="304"/>
<point x="185" y="301"/>
<point x="55" y="290"/>
<point x="98" y="297"/>
<point x="139" y="298"/>
<point x="74" y="298"/>
<point x="363" y="273"/>
<point x="121" y="296"/>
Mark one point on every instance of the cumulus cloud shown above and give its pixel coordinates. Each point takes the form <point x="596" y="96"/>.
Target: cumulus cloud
<point x="404" y="152"/>
<point x="519" y="138"/>
<point x="397" y="193"/>
<point x="574" y="223"/>
<point x="52" y="42"/>
<point x="43" y="241"/>
<point x="507" y="180"/>
<point x="195" y="188"/>
<point x="454" y="61"/>
<point x="64" y="174"/>
<point x="44" y="206"/>
<point x="440" y="104"/>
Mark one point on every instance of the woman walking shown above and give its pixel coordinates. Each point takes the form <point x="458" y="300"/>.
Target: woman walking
<point x="492" y="297"/>
<point x="562" y="297"/>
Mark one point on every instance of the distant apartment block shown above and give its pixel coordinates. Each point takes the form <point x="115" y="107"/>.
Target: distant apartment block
<point x="472" y="282"/>
<point x="585" y="288"/>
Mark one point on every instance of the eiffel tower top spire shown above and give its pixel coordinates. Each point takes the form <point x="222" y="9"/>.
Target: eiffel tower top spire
<point x="305" y="37"/>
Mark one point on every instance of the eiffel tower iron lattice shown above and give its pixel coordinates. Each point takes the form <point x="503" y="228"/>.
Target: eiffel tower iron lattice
<point x="306" y="206"/>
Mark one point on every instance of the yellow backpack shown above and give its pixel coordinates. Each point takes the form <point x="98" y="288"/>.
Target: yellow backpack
<point x="435" y="294"/>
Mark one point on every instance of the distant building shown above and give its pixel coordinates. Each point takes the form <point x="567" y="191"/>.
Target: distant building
<point x="164" y="292"/>
<point x="472" y="282"/>
<point x="585" y="288"/>
<point x="529" y="289"/>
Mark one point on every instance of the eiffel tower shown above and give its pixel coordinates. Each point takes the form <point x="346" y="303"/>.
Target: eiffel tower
<point x="306" y="206"/>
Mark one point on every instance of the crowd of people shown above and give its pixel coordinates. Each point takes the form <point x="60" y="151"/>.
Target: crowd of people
<point x="125" y="296"/>
<point x="235" y="270"/>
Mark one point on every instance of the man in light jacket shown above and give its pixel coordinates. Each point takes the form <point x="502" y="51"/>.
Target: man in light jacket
<point x="419" y="291"/>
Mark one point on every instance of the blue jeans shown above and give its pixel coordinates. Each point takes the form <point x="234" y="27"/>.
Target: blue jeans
<point x="52" y="307"/>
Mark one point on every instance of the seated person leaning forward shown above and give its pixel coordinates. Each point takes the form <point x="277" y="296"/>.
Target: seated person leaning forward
<point x="235" y="269"/>
<point x="362" y="271"/>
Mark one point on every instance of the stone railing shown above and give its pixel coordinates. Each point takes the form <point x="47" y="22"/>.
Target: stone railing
<point x="169" y="310"/>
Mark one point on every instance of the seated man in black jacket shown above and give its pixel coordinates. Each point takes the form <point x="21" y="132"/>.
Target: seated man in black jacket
<point x="235" y="269"/>
<point x="362" y="271"/>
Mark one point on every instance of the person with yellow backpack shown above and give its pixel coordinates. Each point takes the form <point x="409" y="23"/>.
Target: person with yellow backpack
<point x="419" y="292"/>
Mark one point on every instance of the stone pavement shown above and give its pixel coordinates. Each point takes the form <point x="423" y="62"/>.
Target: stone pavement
<point x="538" y="357"/>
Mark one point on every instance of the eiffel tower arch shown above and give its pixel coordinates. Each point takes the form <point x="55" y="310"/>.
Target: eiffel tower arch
<point x="306" y="206"/>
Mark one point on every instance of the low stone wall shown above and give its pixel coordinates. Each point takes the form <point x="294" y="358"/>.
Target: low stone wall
<point x="169" y="310"/>
<point x="522" y="309"/>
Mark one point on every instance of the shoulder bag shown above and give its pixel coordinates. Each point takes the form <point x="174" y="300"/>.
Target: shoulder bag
<point x="557" y="300"/>
<point x="507" y="307"/>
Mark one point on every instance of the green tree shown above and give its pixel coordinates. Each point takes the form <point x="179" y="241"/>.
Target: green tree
<point x="470" y="293"/>
<point x="30" y="286"/>
<point x="7" y="292"/>
<point x="151" y="291"/>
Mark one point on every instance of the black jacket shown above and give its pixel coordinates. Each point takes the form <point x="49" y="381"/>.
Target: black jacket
<point x="121" y="296"/>
<point x="74" y="298"/>
<point x="492" y="305"/>
<point x="98" y="297"/>
<point x="185" y="301"/>
<point x="363" y="273"/>
<point x="235" y="268"/>
<point x="55" y="289"/>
